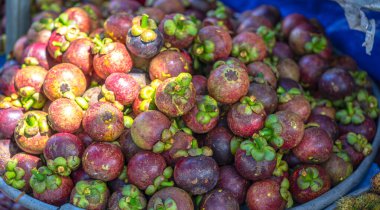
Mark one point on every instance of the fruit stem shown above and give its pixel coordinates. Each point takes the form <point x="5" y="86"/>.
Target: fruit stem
<point x="144" y="21"/>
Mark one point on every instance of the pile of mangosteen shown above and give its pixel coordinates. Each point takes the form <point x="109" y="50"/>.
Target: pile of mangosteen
<point x="180" y="105"/>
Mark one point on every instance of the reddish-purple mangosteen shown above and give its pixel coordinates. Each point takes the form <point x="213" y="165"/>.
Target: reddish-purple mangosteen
<point x="308" y="182"/>
<point x="147" y="128"/>
<point x="120" y="87"/>
<point x="219" y="199"/>
<point x="316" y="146"/>
<point x="103" y="122"/>
<point x="169" y="63"/>
<point x="246" y="117"/>
<point x="203" y="116"/>
<point x="32" y="132"/>
<point x="176" y="96"/>
<point x="110" y="57"/>
<point x="18" y="170"/>
<point x="103" y="161"/>
<point x="269" y="194"/>
<point x="65" y="115"/>
<point x="117" y="26"/>
<point x="79" y="54"/>
<point x="64" y="80"/>
<point x="211" y="44"/>
<point x="127" y="197"/>
<point x="229" y="179"/>
<point x="228" y="83"/>
<point x="49" y="187"/>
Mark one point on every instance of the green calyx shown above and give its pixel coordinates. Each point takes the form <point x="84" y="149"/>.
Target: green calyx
<point x="203" y="50"/>
<point x="100" y="45"/>
<point x="63" y="20"/>
<point x="272" y="131"/>
<point x="164" y="204"/>
<point x="123" y="176"/>
<point x="43" y="24"/>
<point x="309" y="178"/>
<point x="314" y="102"/>
<point x="180" y="27"/>
<point x="248" y="105"/>
<point x="317" y="44"/>
<point x="33" y="125"/>
<point x="235" y="144"/>
<point x="361" y="78"/>
<point x="167" y="135"/>
<point x="258" y="148"/>
<point x="109" y="96"/>
<point x="82" y="102"/>
<point x="28" y="98"/>
<point x="64" y="166"/>
<point x="147" y="96"/>
<point x="132" y="198"/>
<point x="10" y="101"/>
<point x="144" y="27"/>
<point x="14" y="175"/>
<point x="207" y="109"/>
<point x="281" y="166"/>
<point x="179" y="88"/>
<point x="90" y="12"/>
<point x="285" y="194"/>
<point x="340" y="152"/>
<point x="268" y="35"/>
<point x="220" y="12"/>
<point x="359" y="142"/>
<point x="245" y="52"/>
<point x="368" y="103"/>
<point x="44" y="179"/>
<point x="30" y="61"/>
<point x="285" y="96"/>
<point x="89" y="192"/>
<point x="161" y="181"/>
<point x="51" y="7"/>
<point x="194" y="150"/>
<point x="352" y="113"/>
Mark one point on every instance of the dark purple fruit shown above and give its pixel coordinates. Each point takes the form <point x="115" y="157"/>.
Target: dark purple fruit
<point x="219" y="140"/>
<point x="266" y="95"/>
<point x="312" y="67"/>
<point x="336" y="83"/>
<point x="248" y="47"/>
<point x="229" y="179"/>
<point x="356" y="146"/>
<point x="128" y="147"/>
<point x="367" y="128"/>
<point x="338" y="167"/>
<point x="262" y="73"/>
<point x="197" y="175"/>
<point x="326" y="123"/>
<point x="144" y="39"/>
<point x="282" y="50"/>
<point x="288" y="68"/>
<point x="219" y="199"/>
<point x="8" y="121"/>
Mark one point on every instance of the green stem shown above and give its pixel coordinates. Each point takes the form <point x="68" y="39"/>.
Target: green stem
<point x="144" y="21"/>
